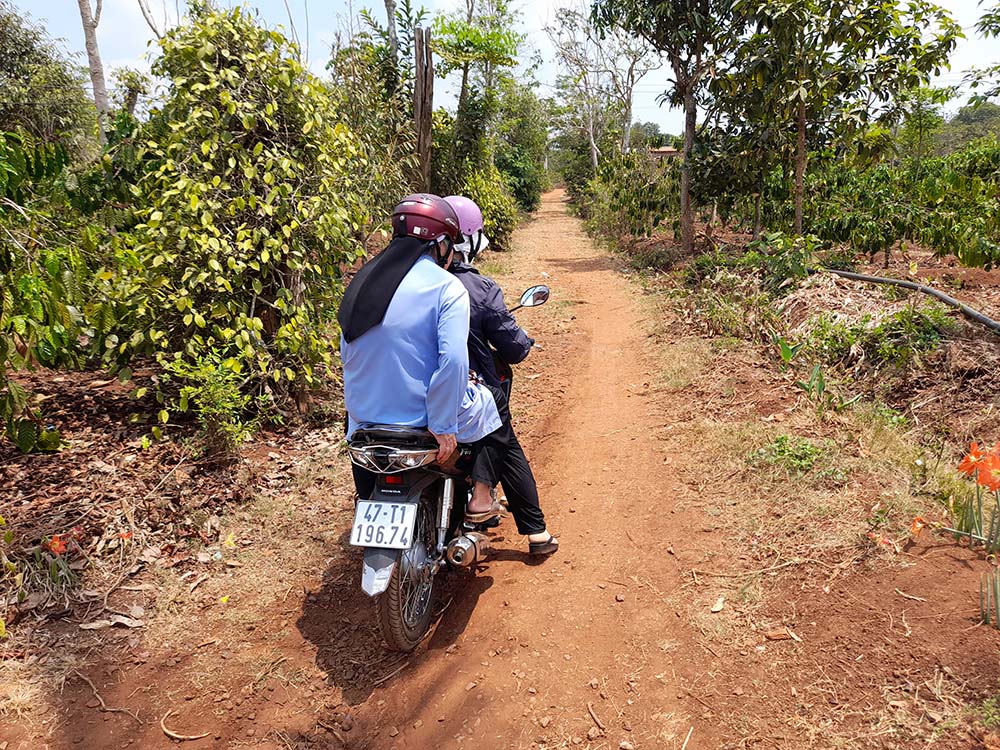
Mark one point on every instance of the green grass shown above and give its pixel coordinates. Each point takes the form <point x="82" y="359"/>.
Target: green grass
<point x="492" y="265"/>
<point x="793" y="454"/>
<point x="989" y="712"/>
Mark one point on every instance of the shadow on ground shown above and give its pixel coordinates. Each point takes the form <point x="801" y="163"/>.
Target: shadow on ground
<point x="339" y="620"/>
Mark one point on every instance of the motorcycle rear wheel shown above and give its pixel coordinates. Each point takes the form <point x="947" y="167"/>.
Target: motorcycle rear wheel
<point x="406" y="608"/>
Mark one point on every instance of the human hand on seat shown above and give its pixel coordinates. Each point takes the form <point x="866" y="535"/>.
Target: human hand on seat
<point x="447" y="444"/>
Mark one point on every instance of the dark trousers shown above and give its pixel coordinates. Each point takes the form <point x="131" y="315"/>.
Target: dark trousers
<point x="498" y="458"/>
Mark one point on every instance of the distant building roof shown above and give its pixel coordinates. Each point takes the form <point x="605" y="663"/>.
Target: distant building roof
<point x="661" y="151"/>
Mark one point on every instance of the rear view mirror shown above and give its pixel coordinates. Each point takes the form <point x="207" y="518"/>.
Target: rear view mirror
<point x="535" y="296"/>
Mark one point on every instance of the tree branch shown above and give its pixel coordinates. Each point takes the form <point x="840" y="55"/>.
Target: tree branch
<point x="149" y="18"/>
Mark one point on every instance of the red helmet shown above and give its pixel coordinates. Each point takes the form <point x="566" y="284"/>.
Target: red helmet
<point x="425" y="217"/>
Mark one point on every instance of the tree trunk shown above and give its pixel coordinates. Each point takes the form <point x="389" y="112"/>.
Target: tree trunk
<point x="131" y="100"/>
<point x="800" y="166"/>
<point x="757" y="200"/>
<point x="690" y="125"/>
<point x="627" y="127"/>
<point x="147" y="14"/>
<point x="390" y="15"/>
<point x="756" y="216"/>
<point x="463" y="92"/>
<point x="423" y="103"/>
<point x="627" y="87"/>
<point x="460" y="114"/>
<point x="591" y="140"/>
<point x="90" y="21"/>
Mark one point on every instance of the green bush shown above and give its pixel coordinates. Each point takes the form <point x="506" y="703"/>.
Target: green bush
<point x="782" y="260"/>
<point x="521" y="139"/>
<point x="212" y="391"/>
<point x="707" y="265"/>
<point x="897" y="340"/>
<point x="42" y="285"/>
<point x="736" y="305"/>
<point x="500" y="214"/>
<point x="630" y="196"/>
<point x="249" y="211"/>
<point x="367" y="98"/>
<point x="776" y="259"/>
<point x="949" y="204"/>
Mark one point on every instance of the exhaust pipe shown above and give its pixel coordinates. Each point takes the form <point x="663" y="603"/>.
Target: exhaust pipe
<point x="466" y="550"/>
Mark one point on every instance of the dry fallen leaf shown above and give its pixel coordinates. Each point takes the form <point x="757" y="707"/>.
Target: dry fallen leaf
<point x="719" y="604"/>
<point x="782" y="634"/>
<point x="128" y="622"/>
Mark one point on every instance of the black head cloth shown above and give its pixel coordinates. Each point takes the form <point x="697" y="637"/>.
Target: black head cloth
<point x="370" y="291"/>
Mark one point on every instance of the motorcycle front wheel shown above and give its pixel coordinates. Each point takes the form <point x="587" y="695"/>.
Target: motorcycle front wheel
<point x="406" y="607"/>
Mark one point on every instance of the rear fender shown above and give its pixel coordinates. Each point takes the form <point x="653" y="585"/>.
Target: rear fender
<point x="379" y="563"/>
<point x="413" y="492"/>
<point x="377" y="569"/>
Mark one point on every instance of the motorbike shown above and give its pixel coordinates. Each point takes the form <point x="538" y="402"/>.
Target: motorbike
<point x="412" y="527"/>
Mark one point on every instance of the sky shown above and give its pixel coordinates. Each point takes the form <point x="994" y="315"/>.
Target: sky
<point x="125" y="39"/>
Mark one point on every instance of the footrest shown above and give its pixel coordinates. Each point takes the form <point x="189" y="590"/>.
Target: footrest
<point x="491" y="524"/>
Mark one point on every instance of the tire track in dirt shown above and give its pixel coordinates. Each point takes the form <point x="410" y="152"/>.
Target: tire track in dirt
<point x="541" y="654"/>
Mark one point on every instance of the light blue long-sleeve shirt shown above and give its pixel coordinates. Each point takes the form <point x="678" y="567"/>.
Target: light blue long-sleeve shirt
<point x="413" y="368"/>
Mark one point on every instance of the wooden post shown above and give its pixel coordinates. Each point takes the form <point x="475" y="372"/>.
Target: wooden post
<point x="423" y="103"/>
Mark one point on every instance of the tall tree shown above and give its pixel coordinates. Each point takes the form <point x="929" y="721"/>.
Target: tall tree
<point x="522" y="135"/>
<point x="693" y="35"/>
<point x="478" y="43"/>
<point x="988" y="78"/>
<point x="583" y="83"/>
<point x="148" y="15"/>
<point x="922" y="119"/>
<point x="602" y="67"/>
<point x="830" y="70"/>
<point x="478" y="39"/>
<point x="390" y="25"/>
<point x="43" y="89"/>
<point x="90" y="19"/>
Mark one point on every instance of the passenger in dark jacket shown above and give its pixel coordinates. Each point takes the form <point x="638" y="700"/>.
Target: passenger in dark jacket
<point x="490" y="324"/>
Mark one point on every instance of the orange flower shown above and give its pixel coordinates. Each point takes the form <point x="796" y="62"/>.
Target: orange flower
<point x="56" y="545"/>
<point x="988" y="473"/>
<point x="917" y="526"/>
<point x="971" y="462"/>
<point x="125" y="535"/>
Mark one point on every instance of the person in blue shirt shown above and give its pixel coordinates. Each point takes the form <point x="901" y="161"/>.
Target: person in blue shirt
<point x="405" y="326"/>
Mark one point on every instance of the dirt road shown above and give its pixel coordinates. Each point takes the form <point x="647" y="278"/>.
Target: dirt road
<point x="582" y="648"/>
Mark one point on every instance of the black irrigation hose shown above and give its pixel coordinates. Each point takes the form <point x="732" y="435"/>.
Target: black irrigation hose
<point x="967" y="311"/>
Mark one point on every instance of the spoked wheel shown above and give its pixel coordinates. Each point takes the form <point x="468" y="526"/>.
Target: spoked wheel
<point x="406" y="607"/>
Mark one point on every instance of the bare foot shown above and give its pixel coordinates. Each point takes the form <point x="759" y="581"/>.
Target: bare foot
<point x="481" y="501"/>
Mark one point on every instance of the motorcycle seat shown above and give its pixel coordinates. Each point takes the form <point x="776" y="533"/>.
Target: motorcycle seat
<point x="415" y="437"/>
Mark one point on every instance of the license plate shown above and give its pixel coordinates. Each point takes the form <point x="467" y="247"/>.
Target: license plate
<point x="381" y="524"/>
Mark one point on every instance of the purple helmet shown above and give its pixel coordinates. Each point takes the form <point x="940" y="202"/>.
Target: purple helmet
<point x="470" y="218"/>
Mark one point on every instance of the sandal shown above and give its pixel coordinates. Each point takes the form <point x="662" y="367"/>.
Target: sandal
<point x="495" y="511"/>
<point x="547" y="547"/>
